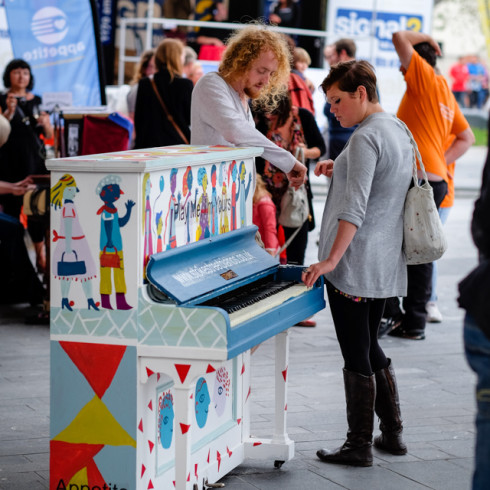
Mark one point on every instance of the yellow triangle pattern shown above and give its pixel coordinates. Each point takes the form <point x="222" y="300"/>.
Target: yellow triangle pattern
<point x="95" y="424"/>
<point x="79" y="479"/>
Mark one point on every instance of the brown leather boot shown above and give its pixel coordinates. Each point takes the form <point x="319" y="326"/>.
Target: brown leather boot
<point x="357" y="449"/>
<point x="387" y="407"/>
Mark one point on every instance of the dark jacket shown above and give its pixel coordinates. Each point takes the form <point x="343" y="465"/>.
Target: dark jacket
<point x="151" y="125"/>
<point x="475" y="288"/>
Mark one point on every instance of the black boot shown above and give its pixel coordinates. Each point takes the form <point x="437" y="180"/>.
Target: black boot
<point x="357" y="449"/>
<point x="387" y="407"/>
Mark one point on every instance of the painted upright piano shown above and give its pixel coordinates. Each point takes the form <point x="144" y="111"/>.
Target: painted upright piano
<point x="159" y="291"/>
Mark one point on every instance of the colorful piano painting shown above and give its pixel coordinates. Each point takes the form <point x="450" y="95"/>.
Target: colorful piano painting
<point x="150" y="356"/>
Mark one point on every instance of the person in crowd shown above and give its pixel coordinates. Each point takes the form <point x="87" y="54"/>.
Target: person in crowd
<point x="177" y="9"/>
<point x="196" y="73"/>
<point x="341" y="50"/>
<point x="477" y="75"/>
<point x="432" y="114"/>
<point x="144" y="68"/>
<point x="19" y="283"/>
<point x="24" y="153"/>
<point x="286" y="13"/>
<point x="361" y="255"/>
<point x="301" y="62"/>
<point x="459" y="75"/>
<point x="255" y="67"/>
<point x="264" y="216"/>
<point x="210" y="41"/>
<point x="294" y="129"/>
<point x="477" y="328"/>
<point x="152" y="122"/>
<point x="190" y="57"/>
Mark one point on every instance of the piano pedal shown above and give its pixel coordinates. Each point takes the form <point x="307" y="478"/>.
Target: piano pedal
<point x="212" y="485"/>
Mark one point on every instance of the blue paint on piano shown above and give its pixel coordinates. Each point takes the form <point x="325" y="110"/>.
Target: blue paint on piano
<point x="232" y="275"/>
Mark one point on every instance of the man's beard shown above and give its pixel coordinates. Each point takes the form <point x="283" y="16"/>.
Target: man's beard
<point x="252" y="93"/>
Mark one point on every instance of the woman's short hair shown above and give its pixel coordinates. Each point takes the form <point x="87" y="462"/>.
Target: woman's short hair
<point x="169" y="55"/>
<point x="300" y="54"/>
<point x="349" y="75"/>
<point x="245" y="46"/>
<point x="13" y="65"/>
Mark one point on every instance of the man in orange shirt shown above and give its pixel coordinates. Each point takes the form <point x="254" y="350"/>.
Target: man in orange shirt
<point x="432" y="114"/>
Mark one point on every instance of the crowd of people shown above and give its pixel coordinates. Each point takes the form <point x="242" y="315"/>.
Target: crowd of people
<point x="260" y="97"/>
<point x="469" y="81"/>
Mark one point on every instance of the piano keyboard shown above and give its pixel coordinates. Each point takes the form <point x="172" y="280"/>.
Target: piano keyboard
<point x="250" y="301"/>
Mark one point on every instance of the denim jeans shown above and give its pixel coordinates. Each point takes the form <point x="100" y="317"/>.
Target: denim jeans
<point x="477" y="349"/>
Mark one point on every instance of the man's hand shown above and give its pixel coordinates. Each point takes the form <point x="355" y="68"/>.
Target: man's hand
<point x="297" y="175"/>
<point x="325" y="167"/>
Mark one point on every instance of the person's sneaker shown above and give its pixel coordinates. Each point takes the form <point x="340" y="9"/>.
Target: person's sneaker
<point x="433" y="313"/>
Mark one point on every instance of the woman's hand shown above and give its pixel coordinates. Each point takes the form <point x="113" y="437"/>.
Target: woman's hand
<point x="324" y="167"/>
<point x="314" y="271"/>
<point x="297" y="175"/>
<point x="45" y="121"/>
<point x="11" y="106"/>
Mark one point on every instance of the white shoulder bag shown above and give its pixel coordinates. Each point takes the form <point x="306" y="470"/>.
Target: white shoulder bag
<point x="423" y="236"/>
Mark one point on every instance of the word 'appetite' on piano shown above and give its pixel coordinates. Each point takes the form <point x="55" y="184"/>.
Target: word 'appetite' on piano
<point x="159" y="291"/>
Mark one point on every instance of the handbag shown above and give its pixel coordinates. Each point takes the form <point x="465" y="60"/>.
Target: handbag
<point x="423" y="236"/>
<point x="36" y="202"/>
<point x="165" y="110"/>
<point x="74" y="268"/>
<point x="111" y="260"/>
<point x="294" y="203"/>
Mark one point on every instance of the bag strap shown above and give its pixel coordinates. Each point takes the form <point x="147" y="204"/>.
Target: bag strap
<point x="165" y="110"/>
<point x="416" y="156"/>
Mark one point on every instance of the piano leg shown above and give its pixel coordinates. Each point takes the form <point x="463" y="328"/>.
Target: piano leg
<point x="184" y="406"/>
<point x="281" y="387"/>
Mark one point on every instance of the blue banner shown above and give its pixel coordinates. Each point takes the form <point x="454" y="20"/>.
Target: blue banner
<point x="57" y="39"/>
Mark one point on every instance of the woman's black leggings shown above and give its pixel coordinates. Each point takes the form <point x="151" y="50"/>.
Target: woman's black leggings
<point x="356" y="325"/>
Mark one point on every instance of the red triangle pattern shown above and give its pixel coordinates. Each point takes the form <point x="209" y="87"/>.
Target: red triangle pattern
<point x="182" y="371"/>
<point x="189" y="477"/>
<point x="238" y="421"/>
<point x="151" y="446"/>
<point x="150" y="405"/>
<point x="248" y="394"/>
<point x="149" y="372"/>
<point x="97" y="362"/>
<point x="210" y="369"/>
<point x="184" y="428"/>
<point x="243" y="368"/>
<point x="257" y="444"/>
<point x="143" y="469"/>
<point x="94" y="477"/>
<point x="229" y="452"/>
<point x="150" y="485"/>
<point x="158" y="376"/>
<point x="140" y="425"/>
<point x="286" y="408"/>
<point x="66" y="459"/>
<point x="218" y="457"/>
<point x="209" y="455"/>
<point x="195" y="470"/>
<point x="285" y="374"/>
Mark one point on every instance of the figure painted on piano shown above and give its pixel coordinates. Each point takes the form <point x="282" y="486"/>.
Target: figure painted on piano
<point x="232" y="171"/>
<point x="224" y="223"/>
<point x="146" y="222"/>
<point x="166" y="419"/>
<point x="243" y="193"/>
<point x="111" y="245"/>
<point x="172" y="212"/>
<point x="214" y="203"/>
<point x="72" y="259"/>
<point x="158" y="216"/>
<point x="203" y="206"/>
<point x="202" y="400"/>
<point x="221" y="390"/>
<point x="186" y="190"/>
<point x="254" y="66"/>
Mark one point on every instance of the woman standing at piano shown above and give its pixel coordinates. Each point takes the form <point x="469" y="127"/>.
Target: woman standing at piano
<point x="361" y="255"/>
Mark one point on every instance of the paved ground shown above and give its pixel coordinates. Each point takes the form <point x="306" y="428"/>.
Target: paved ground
<point x="436" y="390"/>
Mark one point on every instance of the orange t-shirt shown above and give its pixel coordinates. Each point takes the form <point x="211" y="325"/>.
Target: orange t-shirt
<point x="431" y="112"/>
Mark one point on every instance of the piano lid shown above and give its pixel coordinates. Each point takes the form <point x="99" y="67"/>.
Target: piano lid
<point x="209" y="267"/>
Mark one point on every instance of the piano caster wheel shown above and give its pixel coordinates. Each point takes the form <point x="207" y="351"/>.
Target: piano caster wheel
<point x="213" y="485"/>
<point x="278" y="464"/>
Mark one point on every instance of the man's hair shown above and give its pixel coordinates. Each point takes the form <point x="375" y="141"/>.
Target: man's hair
<point x="301" y="54"/>
<point x="169" y="55"/>
<point x="426" y="51"/>
<point x="348" y="45"/>
<point x="349" y="75"/>
<point x="13" y="65"/>
<point x="244" y="47"/>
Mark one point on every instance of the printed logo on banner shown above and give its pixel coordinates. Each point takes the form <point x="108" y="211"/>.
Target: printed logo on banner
<point x="352" y="23"/>
<point x="49" y="25"/>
